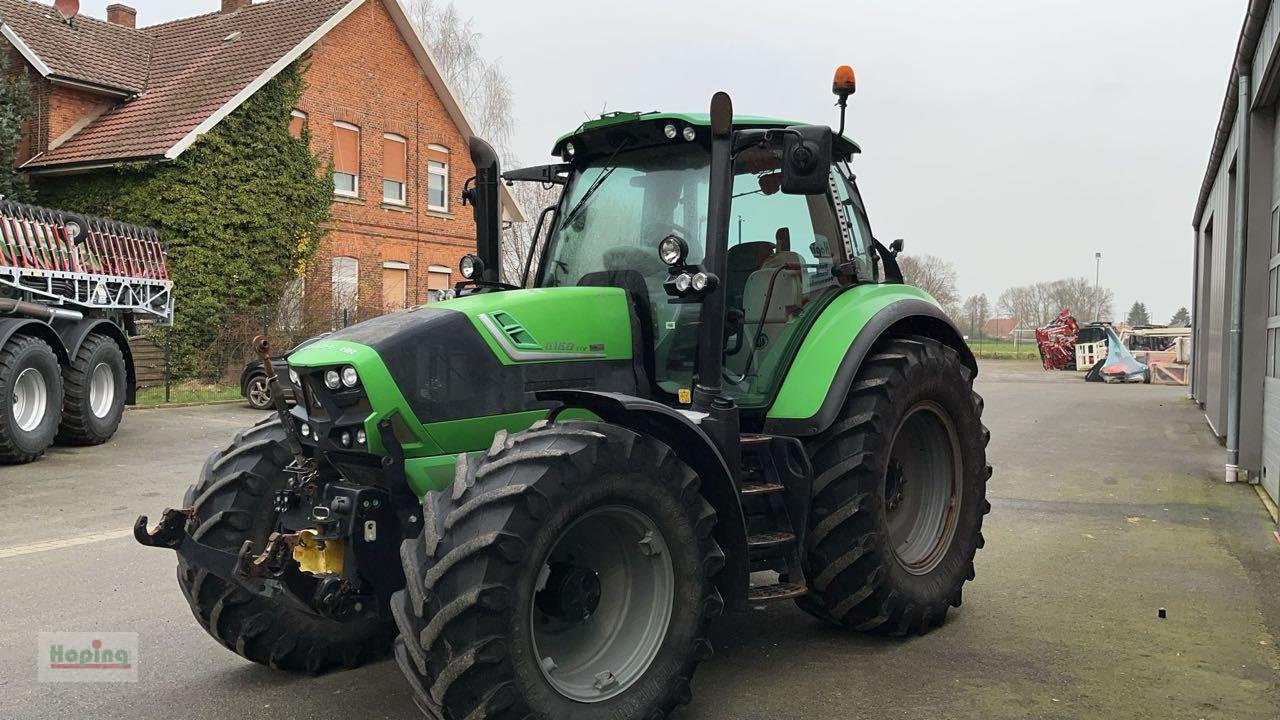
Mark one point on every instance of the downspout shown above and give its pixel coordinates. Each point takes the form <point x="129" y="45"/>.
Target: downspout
<point x="1239" y="243"/>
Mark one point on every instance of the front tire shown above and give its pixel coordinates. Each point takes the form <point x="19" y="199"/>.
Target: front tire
<point x="233" y="503"/>
<point x="95" y="388"/>
<point x="566" y="574"/>
<point x="899" y="493"/>
<point x="30" y="398"/>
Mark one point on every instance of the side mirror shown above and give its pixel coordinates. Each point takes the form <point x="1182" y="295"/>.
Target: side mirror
<point x="897" y="246"/>
<point x="806" y="159"/>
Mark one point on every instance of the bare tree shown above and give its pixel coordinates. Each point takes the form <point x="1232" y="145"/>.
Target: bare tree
<point x="480" y="84"/>
<point x="518" y="237"/>
<point x="977" y="309"/>
<point x="1035" y="305"/>
<point x="933" y="275"/>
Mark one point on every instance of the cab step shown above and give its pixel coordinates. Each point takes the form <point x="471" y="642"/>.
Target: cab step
<point x="762" y="488"/>
<point x="769" y="539"/>
<point x="775" y="592"/>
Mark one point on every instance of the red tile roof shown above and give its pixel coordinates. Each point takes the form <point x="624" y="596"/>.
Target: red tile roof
<point x="85" y="50"/>
<point x="197" y="66"/>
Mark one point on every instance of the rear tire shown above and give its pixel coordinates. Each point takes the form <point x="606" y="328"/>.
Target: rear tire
<point x="30" y="398"/>
<point x="481" y="636"/>
<point x="899" y="493"/>
<point x="94" y="393"/>
<point x="233" y="503"/>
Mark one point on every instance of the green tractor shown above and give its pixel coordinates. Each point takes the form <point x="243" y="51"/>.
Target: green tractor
<point x="710" y="390"/>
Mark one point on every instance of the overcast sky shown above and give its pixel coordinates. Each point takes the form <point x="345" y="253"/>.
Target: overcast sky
<point x="1015" y="138"/>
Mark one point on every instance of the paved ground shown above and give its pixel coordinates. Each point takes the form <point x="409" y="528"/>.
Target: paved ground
<point x="1105" y="509"/>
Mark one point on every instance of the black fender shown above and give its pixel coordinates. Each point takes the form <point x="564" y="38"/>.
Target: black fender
<point x="10" y="326"/>
<point x="74" y="332"/>
<point x="905" y="317"/>
<point x="693" y="446"/>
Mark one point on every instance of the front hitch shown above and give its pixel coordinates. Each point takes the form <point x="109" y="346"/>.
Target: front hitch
<point x="255" y="574"/>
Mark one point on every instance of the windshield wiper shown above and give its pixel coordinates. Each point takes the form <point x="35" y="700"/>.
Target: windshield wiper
<point x="610" y="167"/>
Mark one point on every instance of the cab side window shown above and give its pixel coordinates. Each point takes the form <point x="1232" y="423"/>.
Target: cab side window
<point x="781" y="259"/>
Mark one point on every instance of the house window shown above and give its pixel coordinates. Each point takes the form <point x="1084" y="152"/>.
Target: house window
<point x="395" y="286"/>
<point x="438" y="285"/>
<point x="395" y="168"/>
<point x="346" y="159"/>
<point x="297" y="122"/>
<point x="346" y="286"/>
<point x="437" y="178"/>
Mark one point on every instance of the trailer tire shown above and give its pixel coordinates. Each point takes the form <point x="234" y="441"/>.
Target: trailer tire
<point x="94" y="393"/>
<point x="30" y="398"/>
<point x="233" y="503"/>
<point x="899" y="493"/>
<point x="483" y="627"/>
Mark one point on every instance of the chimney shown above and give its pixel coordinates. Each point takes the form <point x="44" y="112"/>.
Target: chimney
<point x="118" y="14"/>
<point x="230" y="6"/>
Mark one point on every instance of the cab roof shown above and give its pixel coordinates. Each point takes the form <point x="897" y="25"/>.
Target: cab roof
<point x="844" y="145"/>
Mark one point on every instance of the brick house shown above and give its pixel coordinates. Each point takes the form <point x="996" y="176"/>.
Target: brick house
<point x="110" y="91"/>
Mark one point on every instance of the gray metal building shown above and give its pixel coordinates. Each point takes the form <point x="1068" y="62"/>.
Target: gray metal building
<point x="1236" y="367"/>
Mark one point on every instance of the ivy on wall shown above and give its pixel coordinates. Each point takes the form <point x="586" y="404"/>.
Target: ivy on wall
<point x="241" y="210"/>
<point x="15" y="107"/>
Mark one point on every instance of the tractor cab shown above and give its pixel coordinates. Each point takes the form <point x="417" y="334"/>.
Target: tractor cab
<point x="634" y="214"/>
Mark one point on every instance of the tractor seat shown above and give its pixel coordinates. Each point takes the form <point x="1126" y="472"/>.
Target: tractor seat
<point x="772" y="296"/>
<point x="744" y="259"/>
<point x="642" y="317"/>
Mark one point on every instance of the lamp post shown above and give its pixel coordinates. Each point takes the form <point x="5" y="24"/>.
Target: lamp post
<point x="1097" y="298"/>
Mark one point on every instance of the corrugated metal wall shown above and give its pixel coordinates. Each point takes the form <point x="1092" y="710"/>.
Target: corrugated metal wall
<point x="1260" y="381"/>
<point x="1217" y="225"/>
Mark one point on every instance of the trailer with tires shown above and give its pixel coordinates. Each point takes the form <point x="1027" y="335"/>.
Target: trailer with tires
<point x="72" y="290"/>
<point x="711" y="390"/>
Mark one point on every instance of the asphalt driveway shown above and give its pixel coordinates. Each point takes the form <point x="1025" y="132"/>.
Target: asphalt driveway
<point x="1107" y="506"/>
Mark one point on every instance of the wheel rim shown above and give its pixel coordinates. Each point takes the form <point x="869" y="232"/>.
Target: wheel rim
<point x="102" y="390"/>
<point x="612" y="566"/>
<point x="922" y="488"/>
<point x="30" y="399"/>
<point x="259" y="393"/>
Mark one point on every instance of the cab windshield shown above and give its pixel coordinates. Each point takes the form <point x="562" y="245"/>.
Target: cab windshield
<point x="615" y="212"/>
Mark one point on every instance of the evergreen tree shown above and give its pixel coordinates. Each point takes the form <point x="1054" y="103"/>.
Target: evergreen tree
<point x="1138" y="315"/>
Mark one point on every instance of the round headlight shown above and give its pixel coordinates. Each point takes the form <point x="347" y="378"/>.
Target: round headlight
<point x="672" y="250"/>
<point x="683" y="282"/>
<point x="569" y="149"/>
<point x="690" y="134"/>
<point x="699" y="282"/>
<point x="361" y="437"/>
<point x="305" y="430"/>
<point x="346" y="438"/>
<point x="470" y="267"/>
<point x="670" y="131"/>
<point x="332" y="380"/>
<point x="349" y="377"/>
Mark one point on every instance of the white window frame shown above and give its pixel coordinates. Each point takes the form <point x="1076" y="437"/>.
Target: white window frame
<point x="403" y="200"/>
<point x="442" y="173"/>
<point x="359" y="142"/>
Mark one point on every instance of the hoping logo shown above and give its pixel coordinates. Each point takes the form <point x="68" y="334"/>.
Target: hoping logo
<point x="88" y="657"/>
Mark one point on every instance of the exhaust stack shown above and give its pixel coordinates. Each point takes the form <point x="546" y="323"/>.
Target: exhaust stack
<point x="485" y="196"/>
